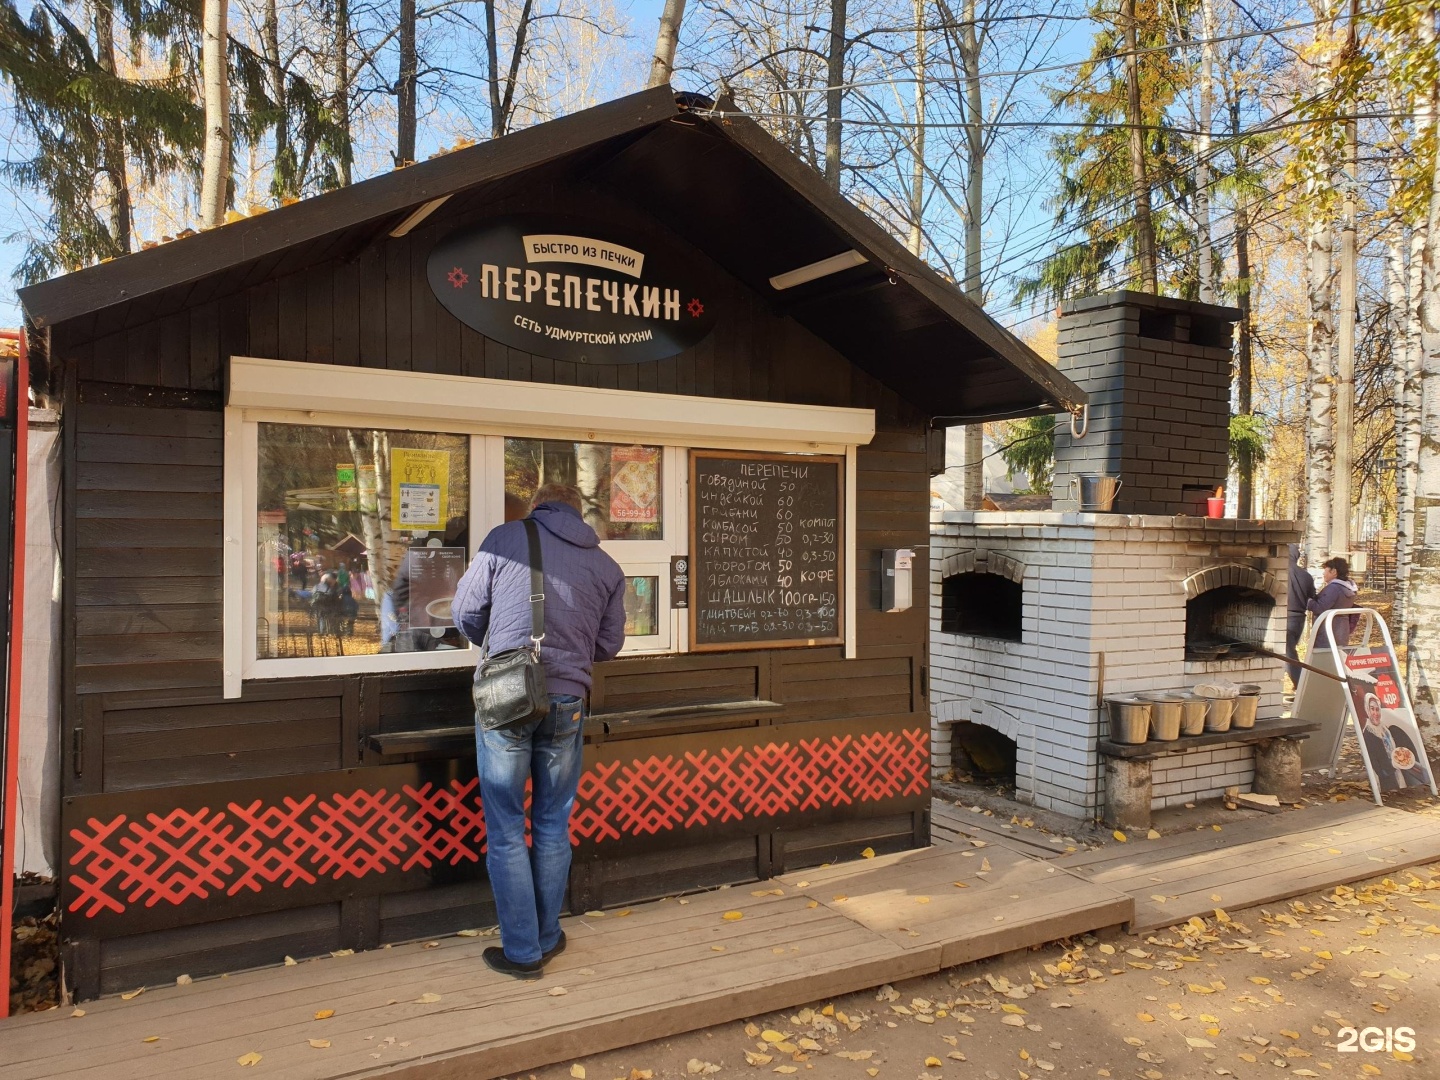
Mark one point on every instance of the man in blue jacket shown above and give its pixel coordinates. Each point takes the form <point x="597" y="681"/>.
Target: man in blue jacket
<point x="584" y="622"/>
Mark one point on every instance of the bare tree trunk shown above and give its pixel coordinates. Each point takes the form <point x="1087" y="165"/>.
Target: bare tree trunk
<point x="1319" y="390"/>
<point x="1204" y="255"/>
<point x="1423" y="602"/>
<point x="973" y="477"/>
<point x="1144" y="228"/>
<point x="917" y="166"/>
<point x="1405" y="383"/>
<point x="283" y="184"/>
<point x="662" y="64"/>
<point x="405" y="87"/>
<point x="834" y="94"/>
<point x="1244" y="362"/>
<point x="215" y="181"/>
<point x="591" y="462"/>
<point x="341" y="59"/>
<point x="502" y="91"/>
<point x="112" y="137"/>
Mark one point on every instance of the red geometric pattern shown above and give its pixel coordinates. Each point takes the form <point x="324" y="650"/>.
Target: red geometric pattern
<point x="181" y="855"/>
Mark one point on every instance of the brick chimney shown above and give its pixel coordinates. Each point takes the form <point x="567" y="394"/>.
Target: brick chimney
<point x="1157" y="371"/>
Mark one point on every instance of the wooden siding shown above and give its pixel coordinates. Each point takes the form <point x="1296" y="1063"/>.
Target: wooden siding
<point x="142" y="596"/>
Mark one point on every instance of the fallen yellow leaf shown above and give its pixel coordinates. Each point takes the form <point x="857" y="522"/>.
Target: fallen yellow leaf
<point x="868" y="853"/>
<point x="1259" y="980"/>
<point x="151" y="1038"/>
<point x="733" y="916"/>
<point x="427" y="999"/>
<point x="717" y="948"/>
<point x="251" y="1058"/>
<point x="1120" y="836"/>
<point x="1145" y="1018"/>
<point x="131" y="995"/>
<point x="786" y="1069"/>
<point x="772" y="1036"/>
<point x="933" y="1063"/>
<point x="320" y="1044"/>
<point x="1009" y="1008"/>
<point x="324" y="1014"/>
<point x="78" y="1013"/>
<point x="1152" y="835"/>
<point x="577" y="1071"/>
<point x="959" y="884"/>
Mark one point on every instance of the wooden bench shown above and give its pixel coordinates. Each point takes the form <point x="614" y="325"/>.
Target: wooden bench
<point x="459" y="739"/>
<point x="1128" y="765"/>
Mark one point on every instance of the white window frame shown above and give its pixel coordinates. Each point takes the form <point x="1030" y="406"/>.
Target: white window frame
<point x="490" y="410"/>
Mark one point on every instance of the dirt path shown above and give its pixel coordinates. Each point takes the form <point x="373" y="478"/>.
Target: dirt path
<point x="1260" y="993"/>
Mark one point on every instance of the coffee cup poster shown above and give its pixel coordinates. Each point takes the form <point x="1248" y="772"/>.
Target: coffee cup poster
<point x="1389" y="738"/>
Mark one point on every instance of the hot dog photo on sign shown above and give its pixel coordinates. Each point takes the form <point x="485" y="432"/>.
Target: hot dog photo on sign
<point x="1389" y="737"/>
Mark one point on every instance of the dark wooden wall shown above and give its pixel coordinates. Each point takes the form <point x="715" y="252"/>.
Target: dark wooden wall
<point x="143" y="711"/>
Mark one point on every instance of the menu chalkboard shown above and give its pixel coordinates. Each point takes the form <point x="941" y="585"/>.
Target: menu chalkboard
<point x="766" y="549"/>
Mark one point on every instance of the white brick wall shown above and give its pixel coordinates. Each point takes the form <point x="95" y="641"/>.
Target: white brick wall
<point x="1094" y="583"/>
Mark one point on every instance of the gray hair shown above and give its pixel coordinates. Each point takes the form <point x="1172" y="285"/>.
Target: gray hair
<point x="568" y="494"/>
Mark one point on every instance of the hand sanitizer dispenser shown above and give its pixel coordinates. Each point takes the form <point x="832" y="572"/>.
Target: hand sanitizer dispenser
<point x="895" y="588"/>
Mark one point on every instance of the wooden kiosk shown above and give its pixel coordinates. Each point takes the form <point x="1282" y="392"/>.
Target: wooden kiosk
<point x="284" y="438"/>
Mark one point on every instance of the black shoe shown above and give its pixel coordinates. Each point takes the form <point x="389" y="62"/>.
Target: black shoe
<point x="555" y="950"/>
<point x="496" y="960"/>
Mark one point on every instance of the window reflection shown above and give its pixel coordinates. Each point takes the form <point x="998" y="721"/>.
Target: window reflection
<point x="363" y="535"/>
<point x="619" y="485"/>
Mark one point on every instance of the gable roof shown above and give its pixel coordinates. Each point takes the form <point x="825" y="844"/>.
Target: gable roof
<point x="715" y="178"/>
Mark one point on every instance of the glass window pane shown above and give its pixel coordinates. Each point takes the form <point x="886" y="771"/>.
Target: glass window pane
<point x="642" y="606"/>
<point x="363" y="535"/>
<point x="619" y="486"/>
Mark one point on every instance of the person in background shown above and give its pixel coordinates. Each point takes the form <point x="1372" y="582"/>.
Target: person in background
<point x="584" y="591"/>
<point x="1302" y="591"/>
<point x="1338" y="592"/>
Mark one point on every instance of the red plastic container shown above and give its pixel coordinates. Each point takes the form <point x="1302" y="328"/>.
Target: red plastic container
<point x="1214" y="507"/>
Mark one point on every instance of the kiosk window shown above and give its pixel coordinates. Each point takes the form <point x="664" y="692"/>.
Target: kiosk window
<point x="642" y="606"/>
<point x="362" y="535"/>
<point x="620" y="486"/>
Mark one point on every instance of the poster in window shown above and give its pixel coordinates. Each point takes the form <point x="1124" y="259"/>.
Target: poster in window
<point x="635" y="483"/>
<point x="365" y="481"/>
<point x="347" y="494"/>
<point x="1389" y="737"/>
<point x="419" y="488"/>
<point x="434" y="574"/>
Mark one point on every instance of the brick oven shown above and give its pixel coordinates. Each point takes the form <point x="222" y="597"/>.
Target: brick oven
<point x="1037" y="615"/>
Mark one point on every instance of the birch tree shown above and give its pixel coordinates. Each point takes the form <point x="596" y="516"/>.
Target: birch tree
<point x="215" y="183"/>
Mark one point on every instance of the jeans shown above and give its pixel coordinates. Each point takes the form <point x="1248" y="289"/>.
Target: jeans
<point x="530" y="884"/>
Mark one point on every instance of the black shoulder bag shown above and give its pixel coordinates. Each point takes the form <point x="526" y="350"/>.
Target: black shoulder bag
<point x="510" y="686"/>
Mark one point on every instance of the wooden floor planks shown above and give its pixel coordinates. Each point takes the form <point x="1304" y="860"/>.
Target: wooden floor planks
<point x="664" y="968"/>
<point x="1261" y="860"/>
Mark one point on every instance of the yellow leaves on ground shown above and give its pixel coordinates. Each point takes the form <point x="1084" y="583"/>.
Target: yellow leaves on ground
<point x="151" y="1038"/>
<point x="557" y="991"/>
<point x="131" y="995"/>
<point x="1199" y="1044"/>
<point x="245" y="1060"/>
<point x="868" y="853"/>
<point x="578" y="1072"/>
<point x="752" y="1058"/>
<point x="717" y="948"/>
<point x="733" y="916"/>
<point x="1259" y="980"/>
<point x="855" y="1055"/>
<point x="1120" y="836"/>
<point x="1153" y="834"/>
<point x="78" y="1013"/>
<point x="427" y="999"/>
<point x="1010" y="1008"/>
<point x="933" y="1063"/>
<point x="696" y="1067"/>
<point x="320" y="1044"/>
<point x="772" y="1036"/>
<point x="1145" y="1018"/>
<point x="1196" y="988"/>
<point x="1013" y="1021"/>
<point x="767" y="892"/>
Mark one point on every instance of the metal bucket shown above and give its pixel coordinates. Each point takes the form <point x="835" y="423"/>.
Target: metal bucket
<point x="1167" y="712"/>
<point x="1096" y="491"/>
<point x="1129" y="720"/>
<point x="1246" y="706"/>
<point x="1218" y="717"/>
<point x="1193" y="723"/>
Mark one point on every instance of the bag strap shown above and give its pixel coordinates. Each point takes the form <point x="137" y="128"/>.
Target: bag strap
<point x="537" y="583"/>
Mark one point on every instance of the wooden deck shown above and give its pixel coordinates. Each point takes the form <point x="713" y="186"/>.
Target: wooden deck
<point x="1260" y="860"/>
<point x="433" y="1011"/>
<point x="661" y="969"/>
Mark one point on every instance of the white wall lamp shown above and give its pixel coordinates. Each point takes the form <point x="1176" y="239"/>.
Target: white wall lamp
<point x="824" y="268"/>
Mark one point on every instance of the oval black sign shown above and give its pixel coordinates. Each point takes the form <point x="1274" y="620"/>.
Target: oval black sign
<point x="569" y="290"/>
